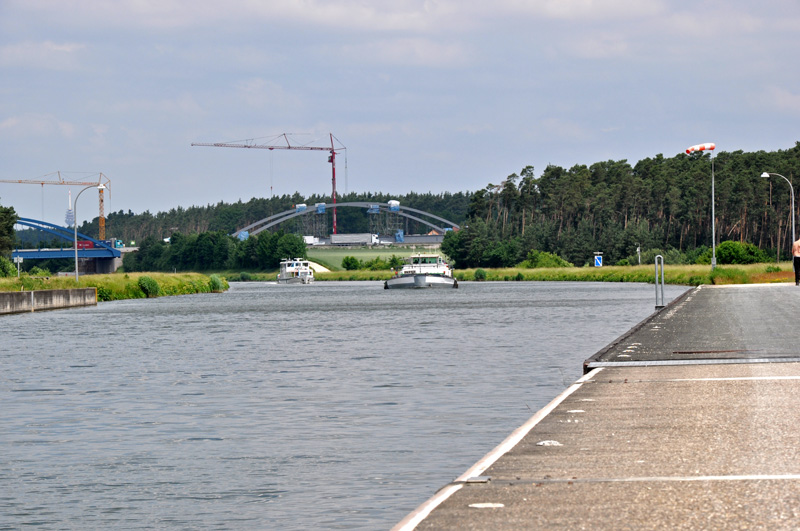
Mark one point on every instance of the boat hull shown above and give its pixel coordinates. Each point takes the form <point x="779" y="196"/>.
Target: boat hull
<point x="420" y="281"/>
<point x="295" y="280"/>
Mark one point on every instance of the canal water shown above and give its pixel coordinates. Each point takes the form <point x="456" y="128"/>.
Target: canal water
<point x="337" y="405"/>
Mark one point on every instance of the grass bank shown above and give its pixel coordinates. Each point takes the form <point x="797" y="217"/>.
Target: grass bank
<point x="331" y="257"/>
<point x="118" y="286"/>
<point x="689" y="275"/>
<point x="124" y="286"/>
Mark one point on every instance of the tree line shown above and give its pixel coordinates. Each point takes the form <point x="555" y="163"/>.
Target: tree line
<point x="658" y="204"/>
<point x="613" y="207"/>
<point x="8" y="217"/>
<point x="229" y="217"/>
<point x="214" y="251"/>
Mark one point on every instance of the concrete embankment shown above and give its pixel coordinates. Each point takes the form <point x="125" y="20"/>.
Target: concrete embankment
<point x="690" y="421"/>
<point x="47" y="299"/>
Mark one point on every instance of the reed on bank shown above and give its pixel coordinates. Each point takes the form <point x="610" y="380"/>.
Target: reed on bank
<point x="689" y="275"/>
<point x="119" y="286"/>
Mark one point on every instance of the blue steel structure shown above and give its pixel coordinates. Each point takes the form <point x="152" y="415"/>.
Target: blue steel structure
<point x="100" y="250"/>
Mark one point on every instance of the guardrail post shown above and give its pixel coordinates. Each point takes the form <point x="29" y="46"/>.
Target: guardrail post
<point x="660" y="259"/>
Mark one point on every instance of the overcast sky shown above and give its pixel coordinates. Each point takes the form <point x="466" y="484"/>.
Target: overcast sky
<point x="435" y="96"/>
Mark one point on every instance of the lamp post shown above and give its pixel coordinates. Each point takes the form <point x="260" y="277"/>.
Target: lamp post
<point x="710" y="146"/>
<point x="100" y="186"/>
<point x="766" y="175"/>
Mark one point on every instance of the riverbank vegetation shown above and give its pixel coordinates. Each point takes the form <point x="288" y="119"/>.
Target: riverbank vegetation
<point x="687" y="275"/>
<point x="213" y="251"/>
<point x="659" y="205"/>
<point x="119" y="286"/>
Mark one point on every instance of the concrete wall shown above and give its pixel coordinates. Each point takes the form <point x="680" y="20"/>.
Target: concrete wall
<point x="46" y="299"/>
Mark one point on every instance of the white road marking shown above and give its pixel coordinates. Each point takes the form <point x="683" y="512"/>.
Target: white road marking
<point x="420" y="513"/>
<point x="746" y="477"/>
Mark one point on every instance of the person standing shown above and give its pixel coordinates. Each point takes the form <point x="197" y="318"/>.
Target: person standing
<point x="796" y="260"/>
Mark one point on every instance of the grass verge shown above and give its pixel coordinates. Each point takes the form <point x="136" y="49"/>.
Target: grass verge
<point x="120" y="286"/>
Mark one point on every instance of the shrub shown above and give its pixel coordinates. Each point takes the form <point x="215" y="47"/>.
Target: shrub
<point x="149" y="286"/>
<point x="773" y="269"/>
<point x="623" y="262"/>
<point x="215" y="283"/>
<point x="37" y="271"/>
<point x="103" y="294"/>
<point x="7" y="268"/>
<point x="730" y="252"/>
<point x="543" y="259"/>
<point x="671" y="257"/>
<point x="244" y="276"/>
<point x="30" y="283"/>
<point x="480" y="274"/>
<point x="351" y="263"/>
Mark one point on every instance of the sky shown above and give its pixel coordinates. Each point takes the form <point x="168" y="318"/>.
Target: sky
<point x="425" y="95"/>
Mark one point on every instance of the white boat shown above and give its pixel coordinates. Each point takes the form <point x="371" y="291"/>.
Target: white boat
<point x="295" y="271"/>
<point x="422" y="271"/>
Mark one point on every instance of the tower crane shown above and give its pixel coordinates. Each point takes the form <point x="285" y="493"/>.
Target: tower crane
<point x="288" y="145"/>
<point x="101" y="179"/>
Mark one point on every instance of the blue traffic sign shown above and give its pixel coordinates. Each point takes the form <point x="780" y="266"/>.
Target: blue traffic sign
<point x="598" y="260"/>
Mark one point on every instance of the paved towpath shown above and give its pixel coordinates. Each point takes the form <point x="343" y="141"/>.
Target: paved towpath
<point x="690" y="421"/>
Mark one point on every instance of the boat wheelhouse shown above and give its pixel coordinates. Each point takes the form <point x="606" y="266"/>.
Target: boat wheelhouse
<point x="295" y="271"/>
<point x="423" y="271"/>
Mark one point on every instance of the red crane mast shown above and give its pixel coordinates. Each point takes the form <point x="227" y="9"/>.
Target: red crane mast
<point x="250" y="144"/>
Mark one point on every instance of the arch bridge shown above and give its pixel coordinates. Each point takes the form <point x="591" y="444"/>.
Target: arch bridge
<point x="404" y="211"/>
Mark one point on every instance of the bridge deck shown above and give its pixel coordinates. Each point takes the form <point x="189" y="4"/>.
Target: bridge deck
<point x="39" y="254"/>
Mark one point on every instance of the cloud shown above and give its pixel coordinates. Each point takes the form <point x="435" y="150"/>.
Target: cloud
<point x="581" y="9"/>
<point x="36" y="125"/>
<point x="783" y="99"/>
<point x="172" y="14"/>
<point x="599" y="46"/>
<point x="424" y="16"/>
<point x="45" y="55"/>
<point x="564" y="129"/>
<point x="475" y="129"/>
<point x="261" y="94"/>
<point x="410" y="52"/>
<point x="184" y="104"/>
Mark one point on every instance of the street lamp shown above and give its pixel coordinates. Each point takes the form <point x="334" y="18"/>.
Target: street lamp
<point x="100" y="186"/>
<point x="766" y="175"/>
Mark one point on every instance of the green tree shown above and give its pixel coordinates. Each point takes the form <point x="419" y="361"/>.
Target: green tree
<point x="544" y="259"/>
<point x="8" y="217"/>
<point x="351" y="263"/>
<point x="291" y="246"/>
<point x="7" y="269"/>
<point x="730" y="252"/>
<point x="267" y="250"/>
<point x="453" y="247"/>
